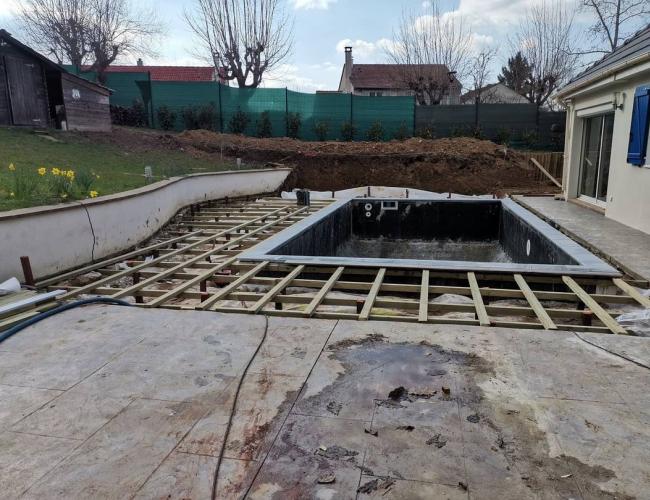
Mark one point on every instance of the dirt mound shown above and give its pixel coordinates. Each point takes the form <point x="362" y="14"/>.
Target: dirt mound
<point x="461" y="165"/>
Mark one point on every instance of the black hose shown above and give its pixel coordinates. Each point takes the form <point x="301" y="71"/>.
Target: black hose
<point x="64" y="307"/>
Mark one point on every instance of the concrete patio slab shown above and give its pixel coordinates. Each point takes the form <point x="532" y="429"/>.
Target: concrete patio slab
<point x="623" y="246"/>
<point x="329" y="410"/>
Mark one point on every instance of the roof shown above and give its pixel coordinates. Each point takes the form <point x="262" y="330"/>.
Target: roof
<point x="636" y="46"/>
<point x="471" y="95"/>
<point x="5" y="35"/>
<point x="168" y="73"/>
<point x="387" y="76"/>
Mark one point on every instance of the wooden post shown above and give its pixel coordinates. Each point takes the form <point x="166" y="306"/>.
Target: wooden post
<point x="27" y="271"/>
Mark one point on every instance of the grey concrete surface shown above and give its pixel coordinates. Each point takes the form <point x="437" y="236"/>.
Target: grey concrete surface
<point x="113" y="402"/>
<point x="625" y="247"/>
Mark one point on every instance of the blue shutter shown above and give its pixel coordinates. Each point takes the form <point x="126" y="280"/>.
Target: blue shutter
<point x="638" y="145"/>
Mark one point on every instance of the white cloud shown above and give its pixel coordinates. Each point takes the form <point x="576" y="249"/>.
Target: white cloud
<point x="292" y="77"/>
<point x="312" y="4"/>
<point x="364" y="49"/>
<point x="426" y="4"/>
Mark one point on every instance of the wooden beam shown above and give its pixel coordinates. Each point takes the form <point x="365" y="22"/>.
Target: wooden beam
<point x="224" y="292"/>
<point x="632" y="292"/>
<point x="545" y="172"/>
<point x="311" y="308"/>
<point x="424" y="297"/>
<point x="372" y="295"/>
<point x="481" y="313"/>
<point x="602" y="315"/>
<point x="540" y="312"/>
<point x="259" y="305"/>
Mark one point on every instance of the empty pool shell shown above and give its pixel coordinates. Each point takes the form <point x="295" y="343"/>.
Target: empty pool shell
<point x="425" y="226"/>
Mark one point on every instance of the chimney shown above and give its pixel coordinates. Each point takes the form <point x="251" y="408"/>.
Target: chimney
<point x="348" y="66"/>
<point x="140" y="63"/>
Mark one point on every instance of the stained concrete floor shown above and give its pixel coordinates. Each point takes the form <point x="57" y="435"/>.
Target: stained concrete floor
<point x="113" y="402"/>
<point x="627" y="248"/>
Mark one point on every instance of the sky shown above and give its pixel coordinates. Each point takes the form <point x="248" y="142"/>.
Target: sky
<point x="324" y="27"/>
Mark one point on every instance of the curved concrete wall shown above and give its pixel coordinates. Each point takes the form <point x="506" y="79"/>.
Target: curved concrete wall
<point x="60" y="237"/>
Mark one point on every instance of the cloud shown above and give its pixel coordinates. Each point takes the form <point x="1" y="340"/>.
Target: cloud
<point x="292" y="77"/>
<point x="364" y="49"/>
<point x="312" y="4"/>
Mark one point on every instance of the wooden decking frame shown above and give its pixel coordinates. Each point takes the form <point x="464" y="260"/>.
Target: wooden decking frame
<point x="194" y="264"/>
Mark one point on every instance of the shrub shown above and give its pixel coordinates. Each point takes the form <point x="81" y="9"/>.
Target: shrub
<point x="425" y="132"/>
<point x="264" y="127"/>
<point x="61" y="184"/>
<point x="294" y="121"/>
<point x="134" y="116"/>
<point x="200" y="117"/>
<point x="347" y="131"/>
<point x="375" y="132"/>
<point x="166" y="118"/>
<point x="504" y="135"/>
<point x="238" y="122"/>
<point x="402" y="132"/>
<point x="530" y="138"/>
<point x="321" y="129"/>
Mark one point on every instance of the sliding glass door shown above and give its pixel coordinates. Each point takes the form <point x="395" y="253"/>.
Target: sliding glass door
<point x="596" y="152"/>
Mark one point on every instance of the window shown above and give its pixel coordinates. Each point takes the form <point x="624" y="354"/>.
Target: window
<point x="596" y="152"/>
<point x="637" y="147"/>
<point x="376" y="94"/>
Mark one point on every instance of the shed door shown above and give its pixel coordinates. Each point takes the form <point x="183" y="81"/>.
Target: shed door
<point x="26" y="92"/>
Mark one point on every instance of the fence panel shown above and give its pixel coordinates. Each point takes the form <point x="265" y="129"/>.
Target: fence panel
<point x="180" y="96"/>
<point x="328" y="112"/>
<point x="254" y="102"/>
<point x="393" y="113"/>
<point x="124" y="87"/>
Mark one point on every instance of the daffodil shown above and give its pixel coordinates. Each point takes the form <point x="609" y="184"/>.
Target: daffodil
<point x="12" y="194"/>
<point x="42" y="171"/>
<point x="93" y="194"/>
<point x="97" y="176"/>
<point x="56" y="171"/>
<point x="70" y="174"/>
<point x="64" y="195"/>
<point x="11" y="167"/>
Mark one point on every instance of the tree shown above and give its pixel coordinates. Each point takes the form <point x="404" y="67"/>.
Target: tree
<point x="422" y="45"/>
<point x="516" y="73"/>
<point x="244" y="39"/>
<point x="479" y="72"/>
<point x="615" y="21"/>
<point x="94" y="32"/>
<point x="545" y="39"/>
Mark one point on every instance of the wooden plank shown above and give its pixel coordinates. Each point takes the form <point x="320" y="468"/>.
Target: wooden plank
<point x="372" y="295"/>
<point x="188" y="284"/>
<point x="540" y="312"/>
<point x="545" y="172"/>
<point x="309" y="311"/>
<point x="602" y="315"/>
<point x="632" y="292"/>
<point x="284" y="282"/>
<point x="225" y="291"/>
<point x="481" y="313"/>
<point x="424" y="297"/>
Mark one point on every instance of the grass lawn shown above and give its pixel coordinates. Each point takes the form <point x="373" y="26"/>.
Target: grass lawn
<point x="114" y="167"/>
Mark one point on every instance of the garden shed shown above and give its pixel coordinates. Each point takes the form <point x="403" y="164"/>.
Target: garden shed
<point x="37" y="92"/>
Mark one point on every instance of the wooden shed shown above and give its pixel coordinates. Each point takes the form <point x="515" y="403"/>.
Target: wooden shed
<point x="37" y="92"/>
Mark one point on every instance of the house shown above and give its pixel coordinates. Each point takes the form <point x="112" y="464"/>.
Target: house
<point x="392" y="79"/>
<point x="37" y="92"/>
<point x="495" y="93"/>
<point x="167" y="73"/>
<point x="607" y="162"/>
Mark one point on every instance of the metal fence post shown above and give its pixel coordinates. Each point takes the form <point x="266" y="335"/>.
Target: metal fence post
<point x="286" y="111"/>
<point x="220" y="109"/>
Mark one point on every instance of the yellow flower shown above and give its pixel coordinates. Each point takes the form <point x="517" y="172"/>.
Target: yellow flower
<point x="93" y="194"/>
<point x="70" y="174"/>
<point x="42" y="171"/>
<point x="97" y="176"/>
<point x="56" y="171"/>
<point x="64" y="195"/>
<point x="11" y="167"/>
<point x="12" y="194"/>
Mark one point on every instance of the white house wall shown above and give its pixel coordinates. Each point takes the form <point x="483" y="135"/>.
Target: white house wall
<point x="628" y="195"/>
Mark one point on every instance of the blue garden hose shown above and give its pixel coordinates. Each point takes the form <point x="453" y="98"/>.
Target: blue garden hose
<point x="64" y="307"/>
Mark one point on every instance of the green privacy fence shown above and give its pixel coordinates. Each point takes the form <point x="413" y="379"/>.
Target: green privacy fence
<point x="324" y="112"/>
<point x="124" y="85"/>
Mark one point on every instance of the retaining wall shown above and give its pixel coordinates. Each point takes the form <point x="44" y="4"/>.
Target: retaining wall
<point x="61" y="237"/>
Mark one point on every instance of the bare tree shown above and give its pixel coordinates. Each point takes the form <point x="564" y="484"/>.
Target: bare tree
<point x="117" y="30"/>
<point x="94" y="32"/>
<point x="480" y="71"/>
<point x="243" y="38"/>
<point x="58" y="27"/>
<point x="424" y="45"/>
<point x="615" y="21"/>
<point x="546" y="40"/>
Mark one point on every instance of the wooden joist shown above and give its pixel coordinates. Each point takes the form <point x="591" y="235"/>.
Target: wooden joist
<point x="372" y="295"/>
<point x="541" y="313"/>
<point x="481" y="313"/>
<point x="602" y="315"/>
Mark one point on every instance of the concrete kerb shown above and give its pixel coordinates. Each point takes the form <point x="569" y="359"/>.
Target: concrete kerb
<point x="61" y="237"/>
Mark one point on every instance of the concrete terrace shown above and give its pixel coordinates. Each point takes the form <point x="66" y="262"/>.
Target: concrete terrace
<point x="117" y="402"/>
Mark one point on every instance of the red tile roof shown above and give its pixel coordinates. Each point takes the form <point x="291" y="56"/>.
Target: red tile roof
<point x="170" y="73"/>
<point x="387" y="76"/>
